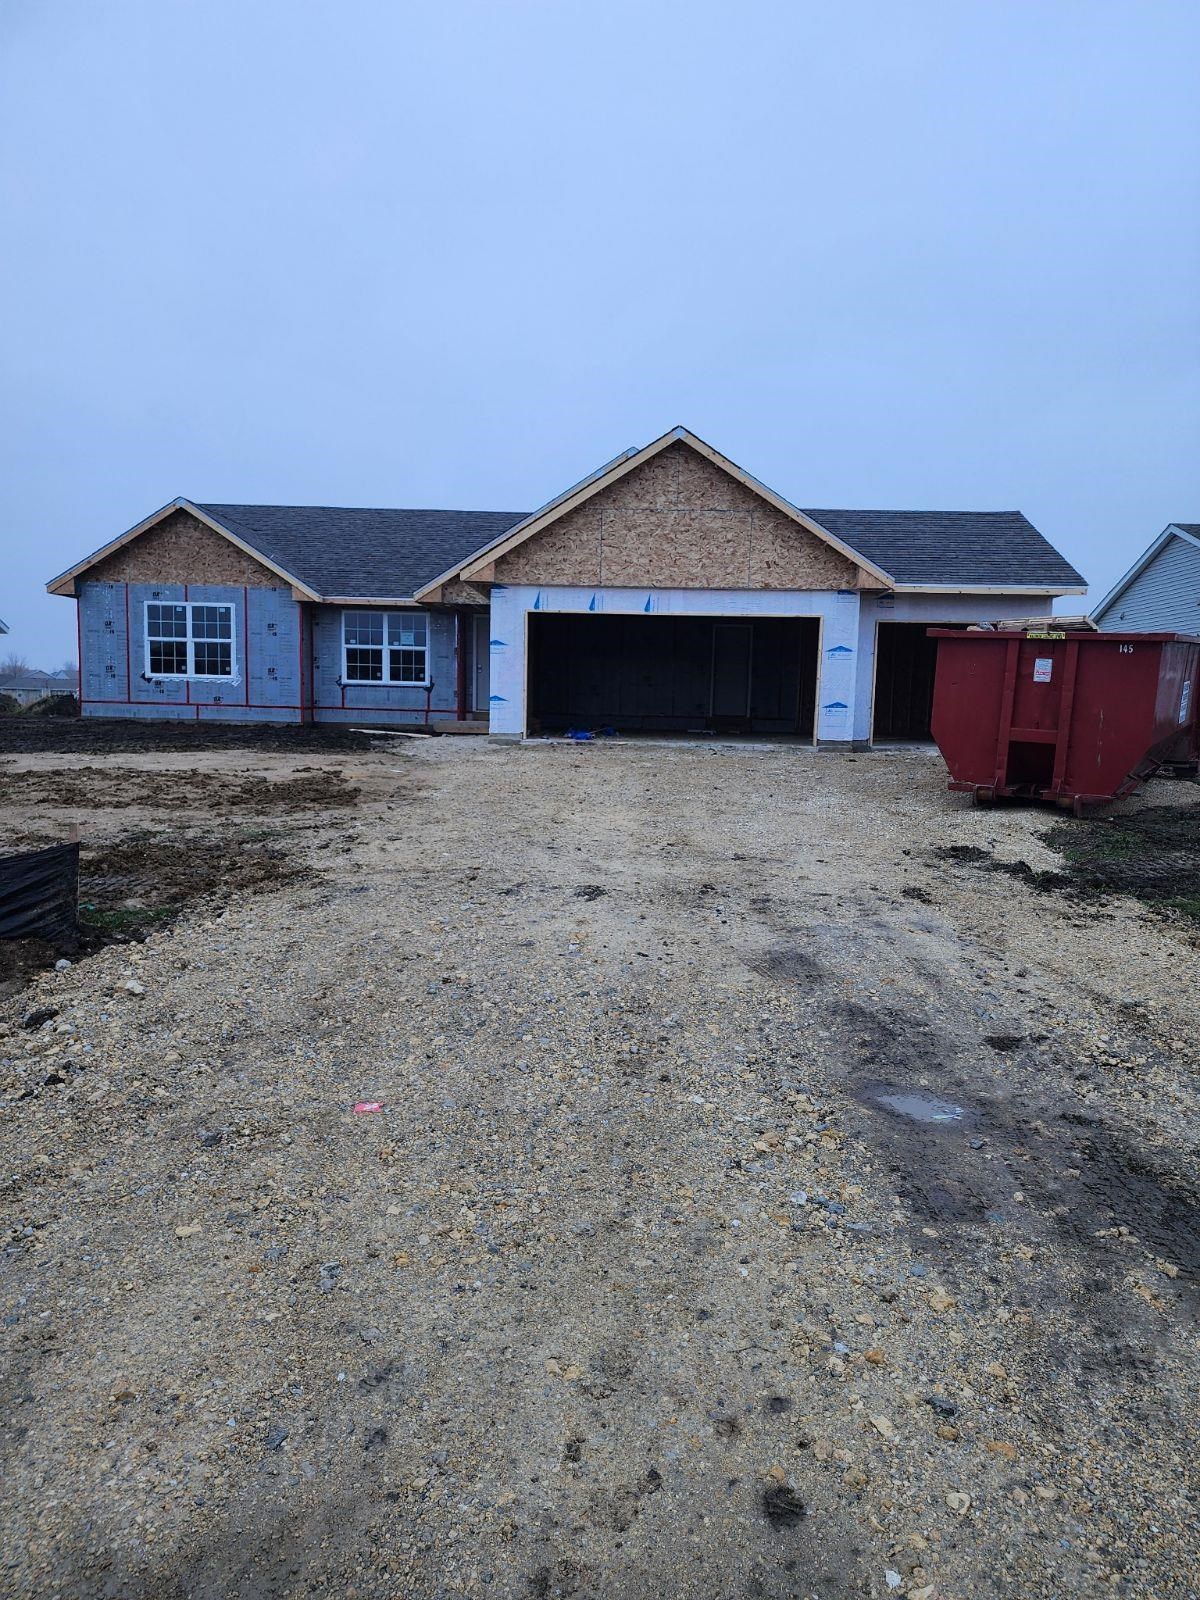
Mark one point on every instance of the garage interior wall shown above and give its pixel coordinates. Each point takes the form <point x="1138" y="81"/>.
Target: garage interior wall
<point x="905" y="662"/>
<point x="670" y="674"/>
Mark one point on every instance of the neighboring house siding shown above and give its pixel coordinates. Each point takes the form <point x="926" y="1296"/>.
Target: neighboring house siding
<point x="1165" y="596"/>
<point x="28" y="688"/>
<point x="678" y="520"/>
<point x="267" y="630"/>
<point x="336" y="701"/>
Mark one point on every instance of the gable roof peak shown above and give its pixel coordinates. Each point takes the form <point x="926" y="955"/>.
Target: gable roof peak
<point x="613" y="471"/>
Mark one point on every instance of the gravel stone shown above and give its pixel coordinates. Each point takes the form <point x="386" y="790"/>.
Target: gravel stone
<point x="579" y="1217"/>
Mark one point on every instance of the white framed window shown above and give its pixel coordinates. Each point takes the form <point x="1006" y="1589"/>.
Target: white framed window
<point x="189" y="639"/>
<point x="385" y="647"/>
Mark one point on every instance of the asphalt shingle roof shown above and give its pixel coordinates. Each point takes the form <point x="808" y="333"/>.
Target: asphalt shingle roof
<point x="347" y="551"/>
<point x="948" y="547"/>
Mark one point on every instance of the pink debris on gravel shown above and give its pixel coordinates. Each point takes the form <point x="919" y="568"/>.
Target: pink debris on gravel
<point x="364" y="1106"/>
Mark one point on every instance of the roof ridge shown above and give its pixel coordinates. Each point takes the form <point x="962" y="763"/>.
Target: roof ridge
<point x="278" y="505"/>
<point x="914" y="511"/>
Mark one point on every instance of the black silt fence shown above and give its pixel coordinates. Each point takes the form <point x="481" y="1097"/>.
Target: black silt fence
<point x="39" y="896"/>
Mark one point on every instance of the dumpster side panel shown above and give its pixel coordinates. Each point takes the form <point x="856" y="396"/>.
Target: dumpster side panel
<point x="1041" y="690"/>
<point x="1175" y="708"/>
<point x="1112" y="725"/>
<point x="967" y="693"/>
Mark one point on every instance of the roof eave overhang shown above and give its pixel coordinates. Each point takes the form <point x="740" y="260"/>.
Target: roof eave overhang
<point x="480" y="564"/>
<point x="64" y="584"/>
<point x="432" y="590"/>
<point x="989" y="588"/>
<point x="365" y="600"/>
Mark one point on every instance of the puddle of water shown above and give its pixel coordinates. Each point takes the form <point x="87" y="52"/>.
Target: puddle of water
<point x="919" y="1107"/>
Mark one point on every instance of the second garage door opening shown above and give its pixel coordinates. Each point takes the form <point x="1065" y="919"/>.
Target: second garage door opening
<point x="673" y="674"/>
<point x="905" y="663"/>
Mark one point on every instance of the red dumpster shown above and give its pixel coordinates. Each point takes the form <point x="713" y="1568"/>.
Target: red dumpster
<point x="1073" y="718"/>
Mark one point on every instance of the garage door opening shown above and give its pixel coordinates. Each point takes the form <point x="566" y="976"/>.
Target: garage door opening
<point x="905" y="661"/>
<point x="681" y="675"/>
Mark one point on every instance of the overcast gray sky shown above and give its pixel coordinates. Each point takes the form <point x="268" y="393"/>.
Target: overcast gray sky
<point x="939" y="253"/>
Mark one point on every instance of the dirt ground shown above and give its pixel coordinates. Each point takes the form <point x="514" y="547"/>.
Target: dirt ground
<point x="761" y="1201"/>
<point x="110" y="735"/>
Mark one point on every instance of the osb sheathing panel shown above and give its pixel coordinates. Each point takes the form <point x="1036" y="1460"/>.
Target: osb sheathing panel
<point x="678" y="521"/>
<point x="785" y="556"/>
<point x="657" y="482"/>
<point x="181" y="549"/>
<point x="568" y="551"/>
<point x="458" y="593"/>
<point x="677" y="548"/>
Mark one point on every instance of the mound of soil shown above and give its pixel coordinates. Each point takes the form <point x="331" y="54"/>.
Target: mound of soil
<point x="90" y="788"/>
<point x="971" y="855"/>
<point x="19" y="960"/>
<point x="144" y="882"/>
<point x="119" y="735"/>
<point x="138" y="884"/>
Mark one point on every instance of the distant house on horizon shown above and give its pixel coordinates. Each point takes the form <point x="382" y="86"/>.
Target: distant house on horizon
<point x="1161" y="591"/>
<point x="27" y="688"/>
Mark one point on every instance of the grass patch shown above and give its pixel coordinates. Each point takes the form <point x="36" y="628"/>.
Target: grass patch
<point x="1153" y="855"/>
<point x="1094" y="843"/>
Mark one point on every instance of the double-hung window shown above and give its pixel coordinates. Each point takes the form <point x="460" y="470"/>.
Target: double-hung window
<point x="188" y="639"/>
<point x="385" y="647"/>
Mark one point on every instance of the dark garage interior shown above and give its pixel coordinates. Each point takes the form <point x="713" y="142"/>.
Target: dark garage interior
<point x="651" y="674"/>
<point x="905" y="659"/>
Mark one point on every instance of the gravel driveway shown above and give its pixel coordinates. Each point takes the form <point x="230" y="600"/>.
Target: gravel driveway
<point x="758" y="1204"/>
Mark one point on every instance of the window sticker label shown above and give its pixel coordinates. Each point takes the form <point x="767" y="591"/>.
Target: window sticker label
<point x="1043" y="669"/>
